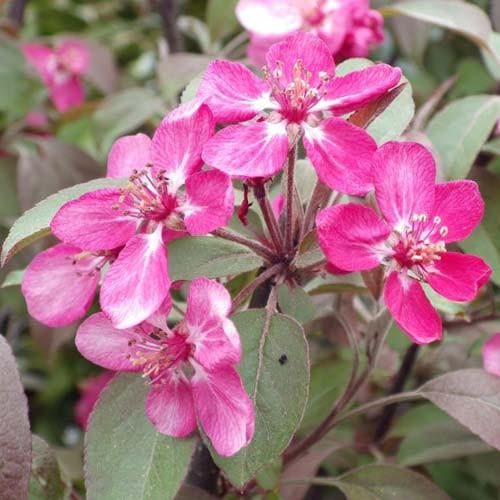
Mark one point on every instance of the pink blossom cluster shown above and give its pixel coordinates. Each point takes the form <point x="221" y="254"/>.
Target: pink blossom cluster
<point x="61" y="69"/>
<point x="118" y="238"/>
<point x="348" y="27"/>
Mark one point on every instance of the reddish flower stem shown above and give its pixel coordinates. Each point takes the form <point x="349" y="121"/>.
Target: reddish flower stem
<point x="290" y="193"/>
<point x="269" y="217"/>
<point x="257" y="247"/>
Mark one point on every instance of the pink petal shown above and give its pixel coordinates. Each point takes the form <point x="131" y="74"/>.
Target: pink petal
<point x="255" y="150"/>
<point x="67" y="94"/>
<point x="233" y="92"/>
<point x="458" y="276"/>
<point x="90" y="389"/>
<point x="40" y="57"/>
<point x="305" y="47"/>
<point x="75" y="55"/>
<point x="104" y="345"/>
<point x="352" y="236"/>
<point x="342" y="155"/>
<point x="209" y="202"/>
<point x="411" y="309"/>
<point x="178" y="142"/>
<point x="491" y="355"/>
<point x="170" y="407"/>
<point x="269" y="18"/>
<point x="277" y="205"/>
<point x="258" y="47"/>
<point x="404" y="175"/>
<point x="224" y="409"/>
<point x="91" y="222"/>
<point x="57" y="290"/>
<point x="460" y="207"/>
<point x="214" y="335"/>
<point x="127" y="154"/>
<point x="137" y="283"/>
<point x="350" y="92"/>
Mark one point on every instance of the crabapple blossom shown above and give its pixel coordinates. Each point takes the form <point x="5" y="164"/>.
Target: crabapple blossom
<point x="418" y="219"/>
<point x="191" y="368"/>
<point x="348" y="27"/>
<point x="61" y="69"/>
<point x="491" y="355"/>
<point x="299" y="98"/>
<point x="167" y="196"/>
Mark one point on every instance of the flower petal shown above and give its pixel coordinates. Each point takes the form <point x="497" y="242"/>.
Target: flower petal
<point x="350" y="92"/>
<point x="75" y="55"/>
<point x="104" y="345"/>
<point x="458" y="276"/>
<point x="491" y="355"/>
<point x="137" y="283"/>
<point x="307" y="48"/>
<point x="59" y="289"/>
<point x="129" y="153"/>
<point x="460" y="207"/>
<point x="352" y="236"/>
<point x="223" y="408"/>
<point x="91" y="222"/>
<point x="40" y="57"/>
<point x="215" y="337"/>
<point x="178" y="142"/>
<point x="255" y="150"/>
<point x="411" y="309"/>
<point x="404" y="174"/>
<point x="67" y="94"/>
<point x="170" y="407"/>
<point x="233" y="92"/>
<point x="209" y="202"/>
<point x="342" y="155"/>
<point x="90" y="391"/>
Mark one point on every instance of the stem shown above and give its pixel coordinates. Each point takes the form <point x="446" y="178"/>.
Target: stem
<point x="232" y="45"/>
<point x="15" y="12"/>
<point x="250" y="288"/>
<point x="269" y="217"/>
<point x="169" y="11"/>
<point x="290" y="192"/>
<point x="404" y="372"/>
<point x="319" y="198"/>
<point x="257" y="247"/>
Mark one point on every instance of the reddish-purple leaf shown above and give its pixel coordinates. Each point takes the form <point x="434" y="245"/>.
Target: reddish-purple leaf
<point x="472" y="397"/>
<point x="15" y="435"/>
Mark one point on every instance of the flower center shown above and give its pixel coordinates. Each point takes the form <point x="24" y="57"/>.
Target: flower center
<point x="297" y="97"/>
<point x="418" y="246"/>
<point x="147" y="196"/>
<point x="159" y="353"/>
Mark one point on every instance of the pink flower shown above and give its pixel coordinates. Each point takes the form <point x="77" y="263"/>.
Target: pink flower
<point x="419" y="218"/>
<point x="60" y="69"/>
<point x="90" y="390"/>
<point x="299" y="97"/>
<point x="348" y="27"/>
<point x="149" y="212"/>
<point x="491" y="355"/>
<point x="60" y="283"/>
<point x="191" y="368"/>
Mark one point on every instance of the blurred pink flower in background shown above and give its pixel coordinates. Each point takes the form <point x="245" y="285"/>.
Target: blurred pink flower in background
<point x="491" y="355"/>
<point x="90" y="390"/>
<point x="61" y="69"/>
<point x="349" y="27"/>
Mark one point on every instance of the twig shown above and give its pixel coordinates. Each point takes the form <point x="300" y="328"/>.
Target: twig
<point x="250" y="288"/>
<point x="257" y="247"/>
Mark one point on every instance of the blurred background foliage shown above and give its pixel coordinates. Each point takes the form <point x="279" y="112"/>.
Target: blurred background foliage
<point x="133" y="81"/>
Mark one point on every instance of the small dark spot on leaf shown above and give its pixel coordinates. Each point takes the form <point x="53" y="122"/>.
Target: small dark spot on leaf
<point x="283" y="359"/>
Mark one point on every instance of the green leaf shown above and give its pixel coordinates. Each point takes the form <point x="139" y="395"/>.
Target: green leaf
<point x="35" y="223"/>
<point x="462" y="17"/>
<point x="221" y="18"/>
<point x="211" y="257"/>
<point x="394" y="120"/>
<point x="125" y="457"/>
<point x="309" y="252"/>
<point x="15" y="436"/>
<point x="275" y="371"/>
<point x="46" y="481"/>
<point x="9" y="203"/>
<point x="191" y="88"/>
<point x="384" y="482"/>
<point x="459" y="131"/>
<point x="14" y="278"/>
<point x="124" y="112"/>
<point x="296" y="303"/>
